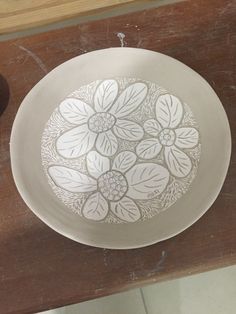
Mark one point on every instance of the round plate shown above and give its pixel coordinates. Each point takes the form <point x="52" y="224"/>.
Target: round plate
<point x="120" y="148"/>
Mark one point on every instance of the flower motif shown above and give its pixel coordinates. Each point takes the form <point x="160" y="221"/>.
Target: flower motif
<point x="100" y="125"/>
<point x="169" y="113"/>
<point x="115" y="188"/>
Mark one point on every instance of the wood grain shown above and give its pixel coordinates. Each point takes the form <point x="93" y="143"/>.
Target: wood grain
<point x="17" y="15"/>
<point x="40" y="269"/>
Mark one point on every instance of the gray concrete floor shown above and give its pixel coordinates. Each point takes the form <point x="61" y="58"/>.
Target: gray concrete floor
<point x="213" y="292"/>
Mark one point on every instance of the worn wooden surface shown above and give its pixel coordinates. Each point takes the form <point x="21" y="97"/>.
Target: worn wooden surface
<point x="22" y="14"/>
<point x="40" y="269"/>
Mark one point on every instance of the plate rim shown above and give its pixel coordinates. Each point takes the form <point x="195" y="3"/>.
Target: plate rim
<point x="212" y="198"/>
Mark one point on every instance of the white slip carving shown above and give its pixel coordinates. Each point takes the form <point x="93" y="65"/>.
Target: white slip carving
<point x="169" y="113"/>
<point x="113" y="189"/>
<point x="121" y="189"/>
<point x="128" y="130"/>
<point x="105" y="95"/>
<point x="77" y="141"/>
<point x="186" y="137"/>
<point x="97" y="164"/>
<point x="144" y="179"/>
<point x="152" y="127"/>
<point x="75" y="111"/>
<point x="129" y="100"/>
<point x="106" y="143"/>
<point x="95" y="207"/>
<point x="126" y="209"/>
<point x="124" y="161"/>
<point x="177" y="161"/>
<point x="96" y="126"/>
<point x="120" y="150"/>
<point x="71" y="180"/>
<point x="148" y="148"/>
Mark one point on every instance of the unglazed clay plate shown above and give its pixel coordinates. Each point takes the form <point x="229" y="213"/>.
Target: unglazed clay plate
<point x="120" y="148"/>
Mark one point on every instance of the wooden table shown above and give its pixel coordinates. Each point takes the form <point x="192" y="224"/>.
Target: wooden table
<point x="40" y="269"/>
<point x="22" y="14"/>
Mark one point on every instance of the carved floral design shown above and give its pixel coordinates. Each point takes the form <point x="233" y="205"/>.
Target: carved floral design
<point x="167" y="135"/>
<point x="103" y="124"/>
<point x="120" y="150"/>
<point x="115" y="187"/>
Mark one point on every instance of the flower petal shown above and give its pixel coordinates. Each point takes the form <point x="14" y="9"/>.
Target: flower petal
<point x="129" y="100"/>
<point x="106" y="143"/>
<point x="126" y="209"/>
<point x="186" y="137"/>
<point x="71" y="180"/>
<point x="146" y="180"/>
<point x="95" y="207"/>
<point x="97" y="164"/>
<point x="177" y="161"/>
<point x="169" y="111"/>
<point x="124" y="161"/>
<point x="75" y="111"/>
<point x="152" y="127"/>
<point x="76" y="142"/>
<point x="128" y="130"/>
<point x="105" y="95"/>
<point x="148" y="149"/>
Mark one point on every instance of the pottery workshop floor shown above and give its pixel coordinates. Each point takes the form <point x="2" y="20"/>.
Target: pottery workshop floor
<point x="207" y="293"/>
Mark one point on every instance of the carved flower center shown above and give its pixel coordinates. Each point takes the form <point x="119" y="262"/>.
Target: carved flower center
<point x="167" y="137"/>
<point x="113" y="185"/>
<point x="101" y="122"/>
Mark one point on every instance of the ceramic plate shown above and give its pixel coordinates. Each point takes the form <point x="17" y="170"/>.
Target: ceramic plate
<point x="120" y="148"/>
